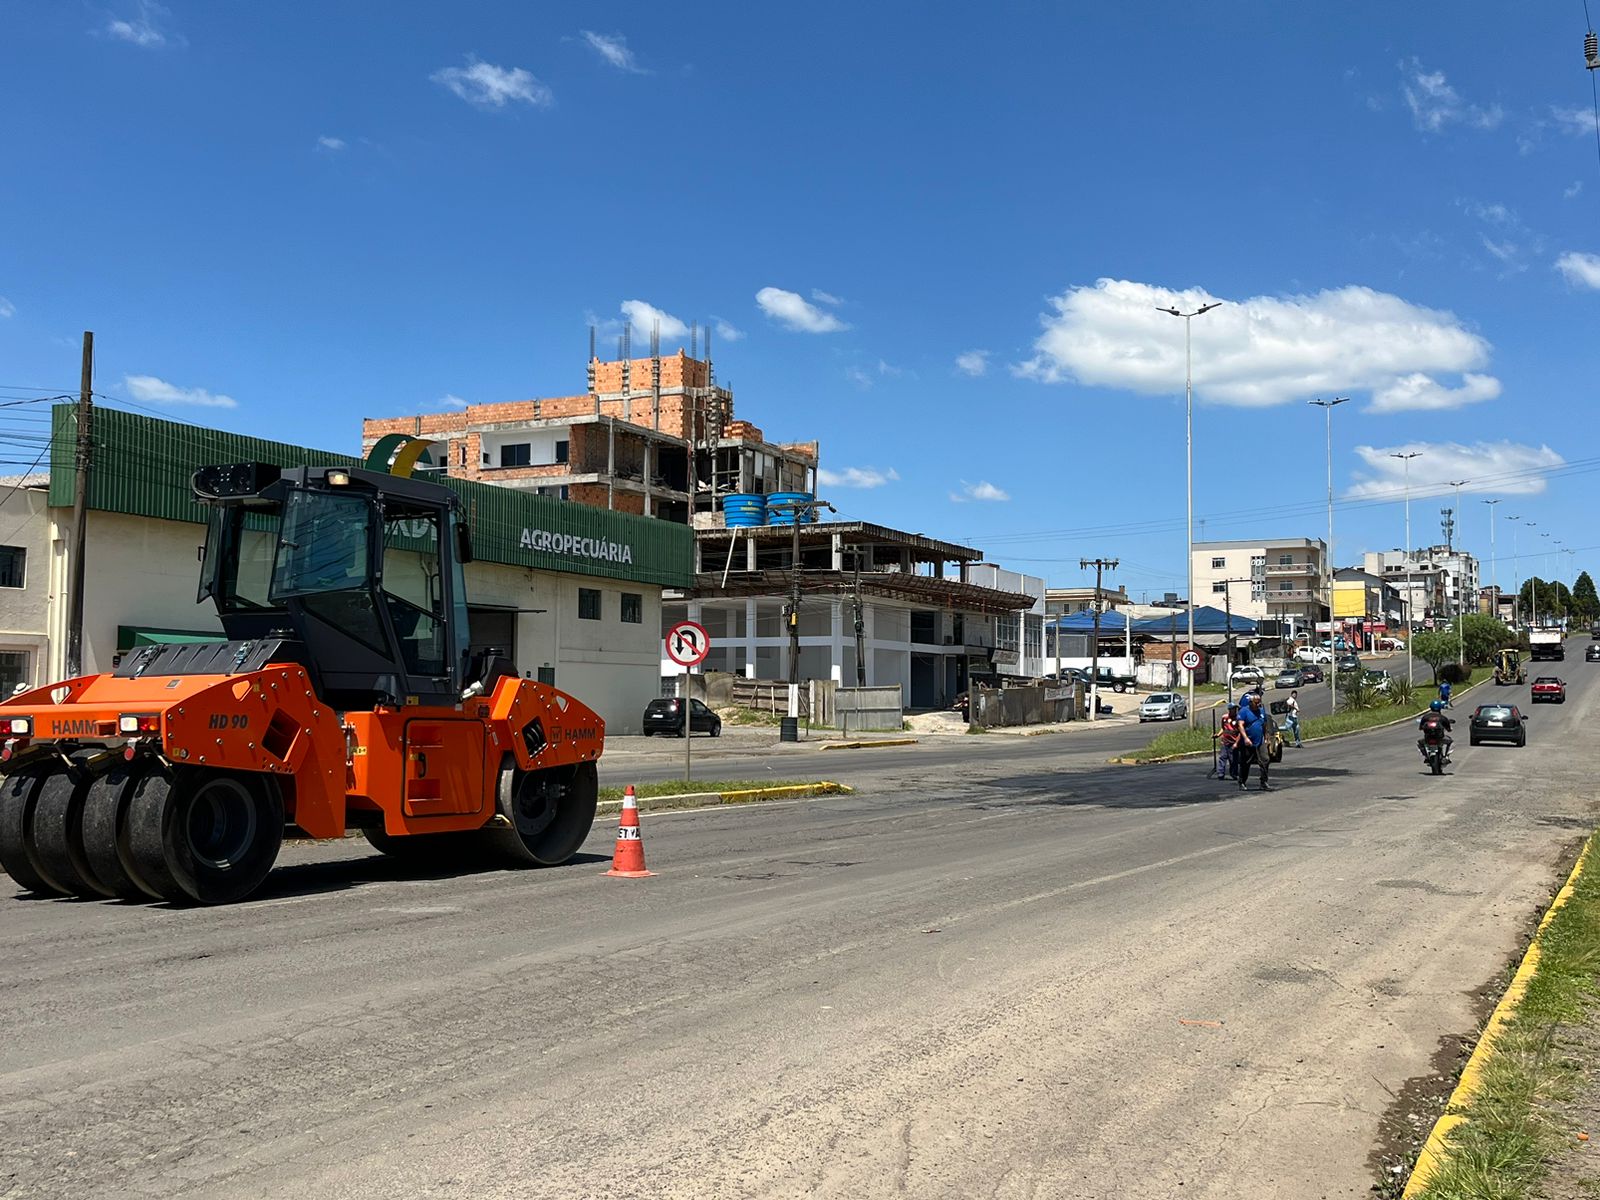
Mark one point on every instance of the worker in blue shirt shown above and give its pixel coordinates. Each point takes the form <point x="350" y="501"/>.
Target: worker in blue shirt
<point x="1253" y="723"/>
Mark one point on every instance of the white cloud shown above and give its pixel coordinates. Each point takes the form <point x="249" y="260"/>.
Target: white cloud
<point x="856" y="477"/>
<point x="859" y="376"/>
<point x="451" y="400"/>
<point x="726" y="332"/>
<point x="642" y="316"/>
<point x="888" y="368"/>
<point x="1256" y="352"/>
<point x="613" y="48"/>
<point x="1421" y="392"/>
<point x="1572" y="189"/>
<point x="982" y="490"/>
<point x="150" y="390"/>
<point x="794" y="311"/>
<point x="1500" y="468"/>
<point x="7" y="309"/>
<point x="1582" y="270"/>
<point x="489" y="86"/>
<point x="144" y="29"/>
<point x="1435" y="104"/>
<point x="822" y="297"/>
<point x="973" y="362"/>
<point x="1575" y="120"/>
<point x="331" y="144"/>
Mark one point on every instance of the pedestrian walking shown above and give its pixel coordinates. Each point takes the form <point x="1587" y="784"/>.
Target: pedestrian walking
<point x="1228" y="744"/>
<point x="1255" y="745"/>
<point x="1291" y="717"/>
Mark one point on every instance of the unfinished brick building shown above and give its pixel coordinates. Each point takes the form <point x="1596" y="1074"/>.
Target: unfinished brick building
<point x="651" y="435"/>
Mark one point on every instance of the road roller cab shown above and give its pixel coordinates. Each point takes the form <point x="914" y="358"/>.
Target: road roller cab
<point x="344" y="697"/>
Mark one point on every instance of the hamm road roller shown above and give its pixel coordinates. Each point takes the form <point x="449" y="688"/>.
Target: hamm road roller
<point x="345" y="698"/>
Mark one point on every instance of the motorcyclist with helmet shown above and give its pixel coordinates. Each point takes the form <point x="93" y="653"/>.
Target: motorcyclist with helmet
<point x="1435" y="727"/>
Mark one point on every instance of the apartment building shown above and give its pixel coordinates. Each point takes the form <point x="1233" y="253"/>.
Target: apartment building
<point x="652" y="436"/>
<point x="1438" y="581"/>
<point x="929" y="632"/>
<point x="1279" y="583"/>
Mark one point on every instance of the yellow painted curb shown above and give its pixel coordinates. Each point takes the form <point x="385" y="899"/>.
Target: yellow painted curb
<point x="823" y="787"/>
<point x="869" y="745"/>
<point x="1436" y="1151"/>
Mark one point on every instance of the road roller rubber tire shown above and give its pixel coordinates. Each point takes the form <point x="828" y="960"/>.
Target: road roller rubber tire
<point x="105" y="821"/>
<point x="200" y="836"/>
<point x="58" y="831"/>
<point x="19" y="793"/>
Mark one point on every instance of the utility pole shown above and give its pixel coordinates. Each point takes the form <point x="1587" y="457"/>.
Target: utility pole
<point x="1410" y="590"/>
<point x="80" y="507"/>
<point x="1452" y="515"/>
<point x="1099" y="565"/>
<point x="861" y="629"/>
<point x="1494" y="570"/>
<point x="1327" y="407"/>
<point x="801" y="511"/>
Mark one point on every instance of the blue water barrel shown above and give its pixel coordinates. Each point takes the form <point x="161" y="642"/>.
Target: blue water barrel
<point x="743" y="510"/>
<point x="786" y="516"/>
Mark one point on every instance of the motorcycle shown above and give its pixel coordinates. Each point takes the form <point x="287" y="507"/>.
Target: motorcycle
<point x="1435" y="755"/>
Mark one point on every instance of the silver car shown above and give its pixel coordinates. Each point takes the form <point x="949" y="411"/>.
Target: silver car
<point x="1163" y="706"/>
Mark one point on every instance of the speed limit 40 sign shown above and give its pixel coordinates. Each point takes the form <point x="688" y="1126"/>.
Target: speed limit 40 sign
<point x="1190" y="659"/>
<point x="688" y="643"/>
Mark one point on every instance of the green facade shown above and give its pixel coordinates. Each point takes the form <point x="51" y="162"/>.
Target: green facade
<point x="142" y="465"/>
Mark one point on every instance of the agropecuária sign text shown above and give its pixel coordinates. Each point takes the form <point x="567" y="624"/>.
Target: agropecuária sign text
<point x="573" y="545"/>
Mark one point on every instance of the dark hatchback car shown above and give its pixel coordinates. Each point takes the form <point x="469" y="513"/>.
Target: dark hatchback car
<point x="1592" y="654"/>
<point x="666" y="716"/>
<point x="1497" y="723"/>
<point x="1312" y="674"/>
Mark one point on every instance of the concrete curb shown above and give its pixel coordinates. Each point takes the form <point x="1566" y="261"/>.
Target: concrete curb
<point x="1327" y="737"/>
<point x="823" y="787"/>
<point x="1436" y="1151"/>
<point x="867" y="745"/>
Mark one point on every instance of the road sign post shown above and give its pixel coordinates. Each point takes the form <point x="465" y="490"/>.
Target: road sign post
<point x="687" y="644"/>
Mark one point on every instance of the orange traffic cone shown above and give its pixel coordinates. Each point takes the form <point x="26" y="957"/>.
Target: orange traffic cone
<point x="628" y="861"/>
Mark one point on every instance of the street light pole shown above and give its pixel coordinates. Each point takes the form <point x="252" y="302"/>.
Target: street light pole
<point x="1188" y="451"/>
<point x="1516" y="574"/>
<point x="1459" y="556"/>
<point x="1494" y="570"/>
<point x="1327" y="407"/>
<point x="1410" y="591"/>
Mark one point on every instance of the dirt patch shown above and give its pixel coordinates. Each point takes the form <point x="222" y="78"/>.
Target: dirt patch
<point x="1408" y="1120"/>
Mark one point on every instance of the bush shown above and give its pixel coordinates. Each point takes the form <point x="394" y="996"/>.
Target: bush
<point x="1358" y="695"/>
<point x="1454" y="673"/>
<point x="1401" y="692"/>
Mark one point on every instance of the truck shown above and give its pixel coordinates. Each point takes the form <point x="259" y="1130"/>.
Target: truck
<point x="1546" y="645"/>
<point x="345" y="697"/>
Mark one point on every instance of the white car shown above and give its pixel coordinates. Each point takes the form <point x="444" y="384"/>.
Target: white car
<point x="1247" y="674"/>
<point x="1320" y="655"/>
<point x="1163" y="706"/>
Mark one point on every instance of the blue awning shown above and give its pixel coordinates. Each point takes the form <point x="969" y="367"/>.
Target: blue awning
<point x="1206" y="620"/>
<point x="1083" y="622"/>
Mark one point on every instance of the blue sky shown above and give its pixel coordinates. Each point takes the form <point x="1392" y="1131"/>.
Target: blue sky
<point x="933" y="237"/>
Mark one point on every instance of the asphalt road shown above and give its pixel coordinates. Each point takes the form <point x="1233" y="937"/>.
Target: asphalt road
<point x="1013" y="978"/>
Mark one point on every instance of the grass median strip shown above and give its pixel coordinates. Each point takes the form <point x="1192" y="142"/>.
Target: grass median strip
<point x="1512" y="1120"/>
<point x="1198" y="739"/>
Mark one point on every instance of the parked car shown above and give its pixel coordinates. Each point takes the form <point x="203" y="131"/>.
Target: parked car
<point x="1592" y="654"/>
<point x="1314" y="654"/>
<point x="1108" y="679"/>
<point x="1389" y="643"/>
<point x="666" y="716"/>
<point x="1312" y="674"/>
<point x="1163" y="706"/>
<point x="1549" y="690"/>
<point x="1247" y="674"/>
<point x="1497" y="723"/>
<point x="1290" y="677"/>
<point x="1377" y="679"/>
<point x="1348" y="662"/>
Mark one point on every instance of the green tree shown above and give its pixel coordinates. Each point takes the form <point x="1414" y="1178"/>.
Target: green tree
<point x="1546" y="597"/>
<point x="1435" y="647"/>
<point x="1585" y="601"/>
<point x="1483" y="636"/>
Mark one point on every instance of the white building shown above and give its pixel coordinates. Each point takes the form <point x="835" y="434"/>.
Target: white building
<point x="930" y="634"/>
<point x="1281" y="580"/>
<point x="1440" y="581"/>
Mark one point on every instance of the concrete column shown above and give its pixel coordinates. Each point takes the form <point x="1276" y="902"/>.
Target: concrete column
<point x="836" y="616"/>
<point x="750" y="553"/>
<point x="750" y="638"/>
<point x="838" y="552"/>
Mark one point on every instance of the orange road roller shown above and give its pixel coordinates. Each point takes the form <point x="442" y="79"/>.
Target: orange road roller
<point x="345" y="698"/>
